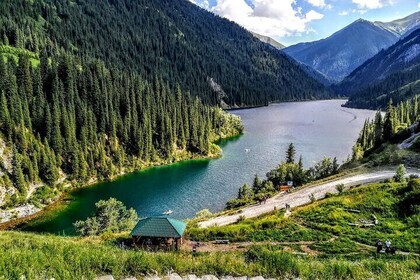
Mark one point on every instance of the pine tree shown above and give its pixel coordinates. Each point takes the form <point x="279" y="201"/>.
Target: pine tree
<point x="257" y="184"/>
<point x="18" y="177"/>
<point x="378" y="129"/>
<point x="290" y="154"/>
<point x="388" y="130"/>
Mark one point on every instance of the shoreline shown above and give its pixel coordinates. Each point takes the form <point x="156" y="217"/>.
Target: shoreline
<point x="228" y="109"/>
<point x="13" y="223"/>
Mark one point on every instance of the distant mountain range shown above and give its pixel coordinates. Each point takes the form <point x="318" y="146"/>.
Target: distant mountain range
<point x="392" y="74"/>
<point x="340" y="54"/>
<point x="401" y="27"/>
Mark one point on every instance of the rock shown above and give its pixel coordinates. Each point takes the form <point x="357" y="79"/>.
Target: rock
<point x="191" y="277"/>
<point x="241" y="278"/>
<point x="257" y="278"/>
<point x="209" y="277"/>
<point x="105" y="277"/>
<point x="131" y="278"/>
<point x="152" y="278"/>
<point x="227" y="278"/>
<point x="173" y="276"/>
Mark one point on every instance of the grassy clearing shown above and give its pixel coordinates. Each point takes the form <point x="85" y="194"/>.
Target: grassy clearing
<point x="40" y="257"/>
<point x="385" y="201"/>
<point x="395" y="205"/>
<point x="9" y="52"/>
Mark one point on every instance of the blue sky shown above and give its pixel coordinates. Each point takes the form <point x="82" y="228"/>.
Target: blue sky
<point x="294" y="21"/>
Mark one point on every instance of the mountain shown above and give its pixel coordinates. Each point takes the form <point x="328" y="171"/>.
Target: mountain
<point x="393" y="73"/>
<point x="269" y="40"/>
<point x="341" y="53"/>
<point x="90" y="90"/>
<point x="311" y="72"/>
<point x="402" y="27"/>
<point x="173" y="39"/>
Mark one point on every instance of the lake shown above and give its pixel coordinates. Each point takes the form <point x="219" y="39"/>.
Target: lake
<point x="317" y="128"/>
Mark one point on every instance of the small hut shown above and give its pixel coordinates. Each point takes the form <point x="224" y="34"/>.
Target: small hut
<point x="158" y="233"/>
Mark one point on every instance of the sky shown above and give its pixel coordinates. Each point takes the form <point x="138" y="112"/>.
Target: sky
<point x="295" y="21"/>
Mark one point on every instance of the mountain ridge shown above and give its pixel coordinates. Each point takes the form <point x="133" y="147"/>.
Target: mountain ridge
<point x="386" y="76"/>
<point x="338" y="55"/>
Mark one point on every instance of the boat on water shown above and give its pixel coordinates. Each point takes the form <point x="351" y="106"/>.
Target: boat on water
<point x="168" y="212"/>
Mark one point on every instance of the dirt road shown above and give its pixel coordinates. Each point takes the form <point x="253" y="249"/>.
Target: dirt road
<point x="301" y="197"/>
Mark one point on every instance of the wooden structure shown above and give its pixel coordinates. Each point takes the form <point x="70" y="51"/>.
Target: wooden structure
<point x="284" y="188"/>
<point x="158" y="233"/>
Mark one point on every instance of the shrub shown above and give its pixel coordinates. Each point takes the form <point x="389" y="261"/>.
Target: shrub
<point x="204" y="213"/>
<point x="340" y="188"/>
<point x="111" y="216"/>
<point x="400" y="174"/>
<point x="241" y="218"/>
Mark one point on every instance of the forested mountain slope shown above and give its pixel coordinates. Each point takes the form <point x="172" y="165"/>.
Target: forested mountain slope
<point x="173" y="39"/>
<point x="79" y="120"/>
<point x="341" y="53"/>
<point x="391" y="74"/>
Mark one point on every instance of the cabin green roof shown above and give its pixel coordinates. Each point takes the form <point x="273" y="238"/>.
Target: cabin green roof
<point x="159" y="227"/>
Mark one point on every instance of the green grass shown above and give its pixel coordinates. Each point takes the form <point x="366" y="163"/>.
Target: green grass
<point x="321" y="220"/>
<point x="44" y="256"/>
<point x="340" y="250"/>
<point x="382" y="200"/>
<point x="9" y="52"/>
<point x="271" y="227"/>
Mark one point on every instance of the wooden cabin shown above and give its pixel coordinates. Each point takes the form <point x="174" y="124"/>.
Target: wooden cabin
<point x="158" y="233"/>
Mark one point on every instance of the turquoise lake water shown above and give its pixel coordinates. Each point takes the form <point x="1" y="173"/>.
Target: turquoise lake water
<point x="318" y="129"/>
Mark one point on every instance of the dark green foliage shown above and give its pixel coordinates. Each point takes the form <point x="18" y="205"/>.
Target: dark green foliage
<point x="111" y="216"/>
<point x="91" y="122"/>
<point x="394" y="128"/>
<point x="172" y="39"/>
<point x="287" y="171"/>
<point x="290" y="154"/>
<point x="410" y="204"/>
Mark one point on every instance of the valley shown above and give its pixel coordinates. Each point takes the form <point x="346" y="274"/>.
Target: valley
<point x="190" y="186"/>
<point x="209" y="139"/>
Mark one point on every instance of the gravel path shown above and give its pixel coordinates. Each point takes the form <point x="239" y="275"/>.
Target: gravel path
<point x="300" y="197"/>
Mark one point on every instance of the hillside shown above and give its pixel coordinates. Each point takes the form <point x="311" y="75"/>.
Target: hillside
<point x="315" y="242"/>
<point x="391" y="74"/>
<point x="173" y="39"/>
<point x="338" y="55"/>
<point x="68" y="122"/>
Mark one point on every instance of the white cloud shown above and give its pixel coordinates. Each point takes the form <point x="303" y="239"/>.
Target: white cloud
<point x="372" y="4"/>
<point x="343" y="13"/>
<point x="418" y="5"/>
<point x="267" y="17"/>
<point x="313" y="15"/>
<point x="319" y="4"/>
